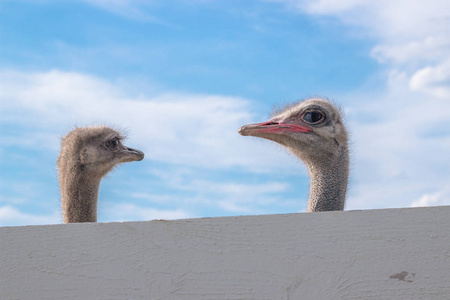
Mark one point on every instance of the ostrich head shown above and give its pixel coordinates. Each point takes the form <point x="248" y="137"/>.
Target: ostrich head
<point x="95" y="150"/>
<point x="313" y="130"/>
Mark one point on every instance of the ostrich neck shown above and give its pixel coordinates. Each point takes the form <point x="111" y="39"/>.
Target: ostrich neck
<point x="329" y="178"/>
<point x="79" y="193"/>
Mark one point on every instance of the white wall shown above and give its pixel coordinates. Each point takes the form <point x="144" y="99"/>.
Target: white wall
<point x="376" y="254"/>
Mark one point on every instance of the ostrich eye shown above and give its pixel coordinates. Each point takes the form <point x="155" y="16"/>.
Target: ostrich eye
<point x="112" y="144"/>
<point x="313" y="117"/>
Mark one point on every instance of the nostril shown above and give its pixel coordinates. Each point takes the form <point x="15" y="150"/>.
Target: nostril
<point x="270" y="123"/>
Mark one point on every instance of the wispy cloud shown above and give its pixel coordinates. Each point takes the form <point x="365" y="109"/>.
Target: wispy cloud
<point x="131" y="9"/>
<point x="192" y="190"/>
<point x="433" y="80"/>
<point x="436" y="199"/>
<point x="121" y="212"/>
<point x="191" y="129"/>
<point x="408" y="34"/>
<point x="10" y="216"/>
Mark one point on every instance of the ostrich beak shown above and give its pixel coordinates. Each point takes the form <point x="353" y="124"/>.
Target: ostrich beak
<point x="271" y="127"/>
<point x="129" y="154"/>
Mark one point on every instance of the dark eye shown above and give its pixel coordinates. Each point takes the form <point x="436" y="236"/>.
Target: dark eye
<point x="313" y="117"/>
<point x="112" y="144"/>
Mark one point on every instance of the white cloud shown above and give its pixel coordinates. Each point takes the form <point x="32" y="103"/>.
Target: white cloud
<point x="435" y="199"/>
<point x="129" y="212"/>
<point x="229" y="195"/>
<point x="426" y="49"/>
<point x="433" y="80"/>
<point x="242" y="198"/>
<point x="406" y="31"/>
<point x="234" y="207"/>
<point x="180" y="128"/>
<point x="244" y="189"/>
<point x="397" y="19"/>
<point x="10" y="216"/>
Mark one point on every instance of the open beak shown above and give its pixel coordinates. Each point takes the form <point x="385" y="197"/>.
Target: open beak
<point x="272" y="127"/>
<point x="130" y="154"/>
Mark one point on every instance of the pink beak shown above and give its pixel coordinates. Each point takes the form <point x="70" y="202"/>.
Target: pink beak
<point x="272" y="127"/>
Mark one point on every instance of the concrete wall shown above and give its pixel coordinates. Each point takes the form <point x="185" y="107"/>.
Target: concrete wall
<point x="376" y="254"/>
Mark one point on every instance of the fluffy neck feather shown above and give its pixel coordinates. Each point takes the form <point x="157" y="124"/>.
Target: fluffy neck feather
<point x="328" y="181"/>
<point x="79" y="193"/>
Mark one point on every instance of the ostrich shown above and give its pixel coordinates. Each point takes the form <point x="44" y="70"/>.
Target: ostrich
<point x="312" y="130"/>
<point x="88" y="154"/>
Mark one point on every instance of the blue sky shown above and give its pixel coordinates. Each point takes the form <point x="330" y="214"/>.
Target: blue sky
<point x="182" y="76"/>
